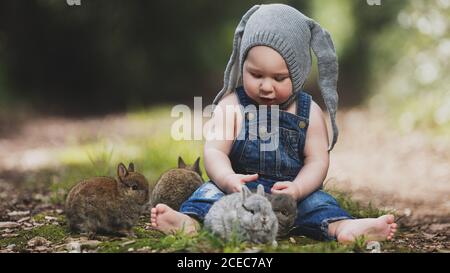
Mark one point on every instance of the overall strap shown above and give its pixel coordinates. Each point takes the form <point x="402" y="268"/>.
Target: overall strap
<point x="303" y="104"/>
<point x="244" y="100"/>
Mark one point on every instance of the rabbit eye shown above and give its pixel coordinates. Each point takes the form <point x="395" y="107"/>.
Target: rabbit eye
<point x="247" y="209"/>
<point x="134" y="187"/>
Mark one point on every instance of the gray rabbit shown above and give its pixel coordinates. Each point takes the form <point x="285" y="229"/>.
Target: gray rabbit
<point x="107" y="205"/>
<point x="246" y="214"/>
<point x="176" y="185"/>
<point x="285" y="208"/>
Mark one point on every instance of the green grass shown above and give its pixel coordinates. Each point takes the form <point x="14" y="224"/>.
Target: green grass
<point x="205" y="242"/>
<point x="154" y="241"/>
<point x="356" y="209"/>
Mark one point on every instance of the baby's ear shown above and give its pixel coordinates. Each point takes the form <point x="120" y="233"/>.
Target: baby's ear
<point x="131" y="167"/>
<point x="197" y="167"/>
<point x="122" y="170"/>
<point x="181" y="163"/>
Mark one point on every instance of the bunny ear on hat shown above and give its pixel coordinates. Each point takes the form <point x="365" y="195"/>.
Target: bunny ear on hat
<point x="323" y="48"/>
<point x="233" y="70"/>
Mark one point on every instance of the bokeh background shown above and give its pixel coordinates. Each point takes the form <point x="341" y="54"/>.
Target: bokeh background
<point x="85" y="87"/>
<point x="104" y="57"/>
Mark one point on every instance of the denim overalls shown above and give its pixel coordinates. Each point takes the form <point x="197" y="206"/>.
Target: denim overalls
<point x="317" y="210"/>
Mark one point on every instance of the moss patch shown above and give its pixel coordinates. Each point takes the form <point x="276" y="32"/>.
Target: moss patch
<point x="54" y="233"/>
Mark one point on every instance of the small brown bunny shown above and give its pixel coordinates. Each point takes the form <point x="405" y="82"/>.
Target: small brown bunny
<point x="107" y="205"/>
<point x="285" y="208"/>
<point x="176" y="185"/>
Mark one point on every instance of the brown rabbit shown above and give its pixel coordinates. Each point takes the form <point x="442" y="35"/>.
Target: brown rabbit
<point x="107" y="205"/>
<point x="176" y="185"/>
<point x="285" y="209"/>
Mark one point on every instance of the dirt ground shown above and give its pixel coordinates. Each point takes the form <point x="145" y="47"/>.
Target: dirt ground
<point x="409" y="173"/>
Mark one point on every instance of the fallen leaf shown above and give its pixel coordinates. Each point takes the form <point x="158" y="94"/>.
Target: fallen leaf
<point x="73" y="247"/>
<point x="50" y="218"/>
<point x="90" y="244"/>
<point x="374" y="246"/>
<point x="9" y="224"/>
<point x="10" y="235"/>
<point x="14" y="215"/>
<point x="21" y="220"/>
<point x="428" y="236"/>
<point x="127" y="243"/>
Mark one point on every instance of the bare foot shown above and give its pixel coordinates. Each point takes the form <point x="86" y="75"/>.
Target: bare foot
<point x="170" y="221"/>
<point x="374" y="229"/>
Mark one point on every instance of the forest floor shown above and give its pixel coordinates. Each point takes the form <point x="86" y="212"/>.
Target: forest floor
<point x="374" y="168"/>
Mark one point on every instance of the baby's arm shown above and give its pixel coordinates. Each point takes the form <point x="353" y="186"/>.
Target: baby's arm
<point x="216" y="150"/>
<point x="316" y="160"/>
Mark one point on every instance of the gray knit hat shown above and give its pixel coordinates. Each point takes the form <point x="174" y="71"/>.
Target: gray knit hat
<point x="292" y="35"/>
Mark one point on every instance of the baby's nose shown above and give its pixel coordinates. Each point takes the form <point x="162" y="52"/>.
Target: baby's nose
<point x="266" y="87"/>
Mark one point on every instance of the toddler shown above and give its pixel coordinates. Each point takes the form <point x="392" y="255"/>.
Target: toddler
<point x="268" y="67"/>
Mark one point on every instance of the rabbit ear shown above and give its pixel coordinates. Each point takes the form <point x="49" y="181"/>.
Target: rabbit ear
<point x="233" y="71"/>
<point x="122" y="170"/>
<point x="181" y="163"/>
<point x="260" y="190"/>
<point x="197" y="166"/>
<point x="131" y="167"/>
<point x="325" y="52"/>
<point x="245" y="193"/>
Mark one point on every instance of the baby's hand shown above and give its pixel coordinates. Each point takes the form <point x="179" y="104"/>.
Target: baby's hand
<point x="286" y="187"/>
<point x="234" y="182"/>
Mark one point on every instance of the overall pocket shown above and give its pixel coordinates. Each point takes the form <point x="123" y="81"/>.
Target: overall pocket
<point x="289" y="152"/>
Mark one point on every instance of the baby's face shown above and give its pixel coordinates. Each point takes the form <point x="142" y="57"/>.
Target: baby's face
<point x="266" y="76"/>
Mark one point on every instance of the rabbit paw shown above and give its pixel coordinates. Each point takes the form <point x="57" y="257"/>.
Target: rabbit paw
<point x="274" y="244"/>
<point x="128" y="233"/>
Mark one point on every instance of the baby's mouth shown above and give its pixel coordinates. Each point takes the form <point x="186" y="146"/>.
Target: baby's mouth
<point x="267" y="101"/>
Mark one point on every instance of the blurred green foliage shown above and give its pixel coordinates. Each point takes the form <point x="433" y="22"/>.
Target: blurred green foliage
<point x="105" y="56"/>
<point x="411" y="65"/>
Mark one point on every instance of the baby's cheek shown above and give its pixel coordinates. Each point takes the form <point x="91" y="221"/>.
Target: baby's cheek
<point x="250" y="85"/>
<point x="284" y="92"/>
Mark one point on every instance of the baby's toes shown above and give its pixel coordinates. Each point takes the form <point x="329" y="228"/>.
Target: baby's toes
<point x="391" y="235"/>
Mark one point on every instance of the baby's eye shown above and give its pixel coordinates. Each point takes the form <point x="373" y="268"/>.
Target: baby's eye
<point x="254" y="75"/>
<point x="280" y="79"/>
